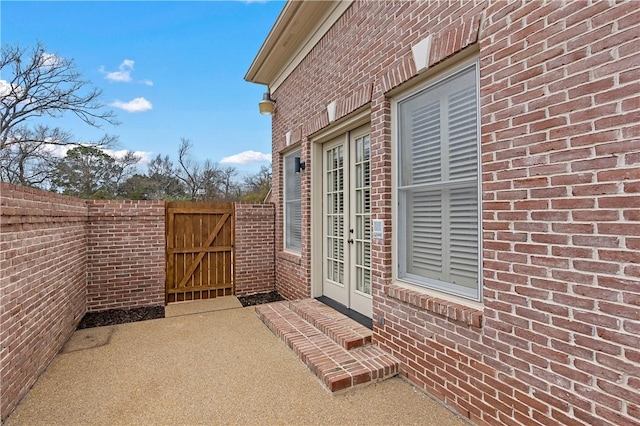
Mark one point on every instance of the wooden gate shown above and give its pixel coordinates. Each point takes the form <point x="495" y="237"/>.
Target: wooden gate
<point x="200" y="241"/>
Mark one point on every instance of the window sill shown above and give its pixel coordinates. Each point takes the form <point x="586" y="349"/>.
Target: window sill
<point x="290" y="257"/>
<point x="451" y="310"/>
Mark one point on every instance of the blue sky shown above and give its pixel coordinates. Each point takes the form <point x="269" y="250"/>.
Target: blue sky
<point x="169" y="69"/>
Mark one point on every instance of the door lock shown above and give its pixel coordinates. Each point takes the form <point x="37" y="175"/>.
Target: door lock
<point x="350" y="240"/>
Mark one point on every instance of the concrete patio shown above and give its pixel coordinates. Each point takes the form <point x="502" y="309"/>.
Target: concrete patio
<point x="210" y="362"/>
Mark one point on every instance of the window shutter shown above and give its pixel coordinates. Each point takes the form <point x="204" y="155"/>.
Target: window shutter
<point x="292" y="205"/>
<point x="463" y="237"/>
<point x="425" y="234"/>
<point x="438" y="186"/>
<point x="425" y="144"/>
<point x="463" y="207"/>
<point x="463" y="145"/>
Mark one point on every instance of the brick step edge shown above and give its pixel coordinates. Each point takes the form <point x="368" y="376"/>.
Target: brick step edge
<point x="341" y="329"/>
<point x="337" y="368"/>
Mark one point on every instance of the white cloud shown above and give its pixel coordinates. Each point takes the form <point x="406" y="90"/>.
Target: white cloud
<point x="123" y="75"/>
<point x="145" y="157"/>
<point x="134" y="105"/>
<point x="247" y="157"/>
<point x="50" y="60"/>
<point x="58" y="150"/>
<point x="6" y="89"/>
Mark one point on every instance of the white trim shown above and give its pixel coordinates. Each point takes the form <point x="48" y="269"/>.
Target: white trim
<point x="287" y="138"/>
<point x="425" y="78"/>
<point x="331" y="111"/>
<point x="317" y="256"/>
<point x="447" y="71"/>
<point x="289" y="153"/>
<point x="433" y="80"/>
<point x="310" y="42"/>
<point x="350" y="122"/>
<point x="421" y="53"/>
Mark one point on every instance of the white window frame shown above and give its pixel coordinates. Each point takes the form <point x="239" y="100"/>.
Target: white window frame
<point x="289" y="205"/>
<point x="399" y="245"/>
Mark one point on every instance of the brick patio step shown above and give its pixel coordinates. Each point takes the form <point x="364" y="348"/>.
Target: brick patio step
<point x="337" y="367"/>
<point x="340" y="328"/>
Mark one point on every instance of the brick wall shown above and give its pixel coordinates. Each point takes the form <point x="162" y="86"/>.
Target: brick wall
<point x="43" y="264"/>
<point x="254" y="248"/>
<point x="61" y="257"/>
<point x="292" y="271"/>
<point x="557" y="339"/>
<point x="126" y="254"/>
<point x="560" y="97"/>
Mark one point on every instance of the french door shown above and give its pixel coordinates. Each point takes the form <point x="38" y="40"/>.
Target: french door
<point x="347" y="220"/>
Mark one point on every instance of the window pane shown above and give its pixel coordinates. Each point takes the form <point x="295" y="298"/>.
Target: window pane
<point x="425" y="144"/>
<point x="292" y="206"/>
<point x="293" y="232"/>
<point x="463" y="146"/>
<point x="424" y="234"/>
<point x="362" y="214"/>
<point x="463" y="207"/>
<point x="438" y="186"/>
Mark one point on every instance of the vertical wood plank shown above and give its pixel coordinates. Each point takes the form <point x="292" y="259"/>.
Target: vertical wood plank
<point x="192" y="271"/>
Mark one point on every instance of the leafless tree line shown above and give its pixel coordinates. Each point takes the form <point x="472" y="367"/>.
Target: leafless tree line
<point x="40" y="84"/>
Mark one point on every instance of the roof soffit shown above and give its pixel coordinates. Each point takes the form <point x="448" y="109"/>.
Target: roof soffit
<point x="299" y="27"/>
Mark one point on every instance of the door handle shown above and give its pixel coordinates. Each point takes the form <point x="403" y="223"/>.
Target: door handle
<point x="350" y="240"/>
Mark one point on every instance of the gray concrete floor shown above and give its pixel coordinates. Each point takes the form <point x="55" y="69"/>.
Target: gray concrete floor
<point x="222" y="366"/>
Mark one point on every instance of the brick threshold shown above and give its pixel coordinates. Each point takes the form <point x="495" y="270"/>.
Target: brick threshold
<point x="338" y="350"/>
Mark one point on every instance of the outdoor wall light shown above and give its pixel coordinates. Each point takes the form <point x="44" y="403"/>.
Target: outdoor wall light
<point x="266" y="105"/>
<point x="298" y="165"/>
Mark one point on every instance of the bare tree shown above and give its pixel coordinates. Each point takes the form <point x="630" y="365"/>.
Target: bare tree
<point x="163" y="180"/>
<point x="32" y="161"/>
<point x="256" y="187"/>
<point x="123" y="168"/>
<point x="211" y="179"/>
<point x="229" y="189"/>
<point x="189" y="172"/>
<point x="206" y="181"/>
<point x="37" y="84"/>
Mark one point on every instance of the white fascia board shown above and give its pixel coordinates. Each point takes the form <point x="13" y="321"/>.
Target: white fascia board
<point x="297" y="30"/>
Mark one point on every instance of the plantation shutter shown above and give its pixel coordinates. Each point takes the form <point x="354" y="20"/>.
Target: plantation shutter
<point x="463" y="201"/>
<point x="425" y="224"/>
<point x="438" y="186"/>
<point x="292" y="205"/>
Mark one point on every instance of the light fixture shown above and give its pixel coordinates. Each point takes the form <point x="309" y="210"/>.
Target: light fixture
<point x="298" y="165"/>
<point x="266" y="105"/>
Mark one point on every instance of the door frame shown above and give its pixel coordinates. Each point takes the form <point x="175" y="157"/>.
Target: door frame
<point x="351" y="122"/>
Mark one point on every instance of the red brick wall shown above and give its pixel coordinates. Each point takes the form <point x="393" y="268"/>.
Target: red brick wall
<point x="43" y="264"/>
<point x="557" y="340"/>
<point x="560" y="140"/>
<point x="59" y="257"/>
<point x="126" y="254"/>
<point x="254" y="248"/>
<point x="291" y="276"/>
